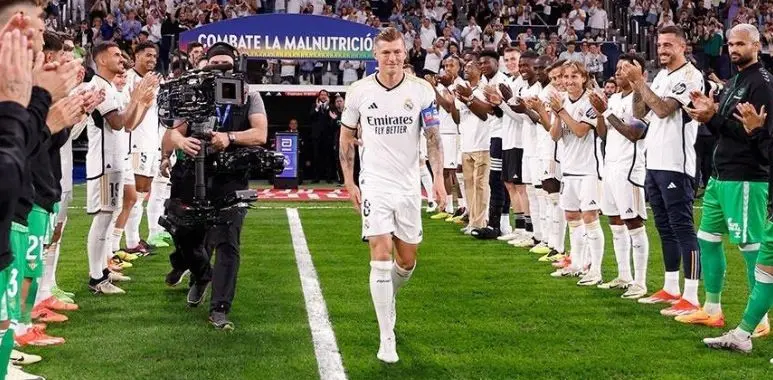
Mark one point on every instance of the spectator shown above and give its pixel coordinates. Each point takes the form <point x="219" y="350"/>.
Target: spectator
<point x="594" y="62"/>
<point x="571" y="55"/>
<point x="417" y="55"/>
<point x="598" y="21"/>
<point x="349" y="69"/>
<point x="471" y="32"/>
<point x="427" y="33"/>
<point x="577" y="18"/>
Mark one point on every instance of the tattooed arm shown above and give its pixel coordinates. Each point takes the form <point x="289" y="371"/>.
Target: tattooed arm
<point x="631" y="133"/>
<point x="435" y="155"/>
<point x="346" y="143"/>
<point x="639" y="107"/>
<point x="661" y="106"/>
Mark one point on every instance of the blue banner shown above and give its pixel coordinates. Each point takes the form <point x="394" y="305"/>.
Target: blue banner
<point x="287" y="144"/>
<point x="289" y="36"/>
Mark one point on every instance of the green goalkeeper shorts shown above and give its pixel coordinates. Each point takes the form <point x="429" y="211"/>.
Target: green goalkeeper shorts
<point x="12" y="276"/>
<point x="738" y="209"/>
<point x="38" y="222"/>
<point x="765" y="257"/>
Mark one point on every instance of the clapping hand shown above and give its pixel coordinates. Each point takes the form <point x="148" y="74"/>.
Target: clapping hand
<point x="15" y="68"/>
<point x="556" y="103"/>
<point x="632" y="72"/>
<point x="598" y="101"/>
<point x="65" y="112"/>
<point x="703" y="108"/>
<point x="506" y="91"/>
<point x="58" y="80"/>
<point x="463" y="91"/>
<point x="751" y="119"/>
<point x="492" y="95"/>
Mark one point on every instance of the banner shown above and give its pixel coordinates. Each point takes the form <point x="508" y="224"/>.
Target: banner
<point x="288" y="36"/>
<point x="287" y="144"/>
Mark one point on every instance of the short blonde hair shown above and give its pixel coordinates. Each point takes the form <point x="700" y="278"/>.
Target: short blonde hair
<point x="389" y="34"/>
<point x="580" y="68"/>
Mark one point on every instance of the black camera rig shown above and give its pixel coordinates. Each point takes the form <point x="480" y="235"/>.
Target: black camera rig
<point x="194" y="98"/>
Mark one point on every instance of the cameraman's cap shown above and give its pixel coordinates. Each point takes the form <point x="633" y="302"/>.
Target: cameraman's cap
<point x="221" y="48"/>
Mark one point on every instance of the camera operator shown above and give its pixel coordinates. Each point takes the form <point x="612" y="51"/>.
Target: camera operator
<point x="244" y="126"/>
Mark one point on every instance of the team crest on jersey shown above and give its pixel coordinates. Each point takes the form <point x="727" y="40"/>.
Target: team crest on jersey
<point x="679" y="89"/>
<point x="408" y="105"/>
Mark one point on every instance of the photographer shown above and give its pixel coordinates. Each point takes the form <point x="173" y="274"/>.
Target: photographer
<point x="242" y="126"/>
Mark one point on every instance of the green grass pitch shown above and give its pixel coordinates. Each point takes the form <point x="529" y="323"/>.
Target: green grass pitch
<point x="473" y="310"/>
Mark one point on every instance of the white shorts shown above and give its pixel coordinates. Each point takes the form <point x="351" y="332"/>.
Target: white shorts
<point x="621" y="197"/>
<point x="550" y="169"/>
<point x="64" y="204"/>
<point x="399" y="215"/>
<point x="66" y="181"/>
<point x="530" y="171"/>
<point x="146" y="163"/>
<point x="450" y="151"/>
<point x="104" y="193"/>
<point x="127" y="178"/>
<point x="580" y="193"/>
<point x="423" y="148"/>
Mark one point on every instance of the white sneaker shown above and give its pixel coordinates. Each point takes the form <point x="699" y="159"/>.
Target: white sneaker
<point x="466" y="230"/>
<point x="730" y="341"/>
<point x="635" y="291"/>
<point x="106" y="287"/>
<point x="431" y="207"/>
<point x="15" y="373"/>
<point x="524" y="242"/>
<point x="118" y="277"/>
<point x="590" y="279"/>
<point x="617" y="283"/>
<point x="387" y="351"/>
<point x="20" y="358"/>
<point x="565" y="272"/>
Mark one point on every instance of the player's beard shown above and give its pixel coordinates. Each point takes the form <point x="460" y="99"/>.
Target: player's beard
<point x="742" y="60"/>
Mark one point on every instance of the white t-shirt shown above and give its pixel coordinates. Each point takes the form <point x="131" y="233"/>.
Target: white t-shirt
<point x="546" y="147"/>
<point x="494" y="123"/>
<point x="447" y="124"/>
<point x="105" y="151"/>
<point x="529" y="127"/>
<point x="512" y="128"/>
<point x="670" y="141"/>
<point x="476" y="135"/>
<point x="432" y="61"/>
<point x="391" y="121"/>
<point x="582" y="155"/>
<point x="621" y="153"/>
<point x="144" y="138"/>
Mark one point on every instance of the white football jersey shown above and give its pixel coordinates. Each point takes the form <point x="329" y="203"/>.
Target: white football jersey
<point x="529" y="127"/>
<point x="494" y="123"/>
<point x="670" y="141"/>
<point x="475" y="133"/>
<point x="447" y="124"/>
<point x="512" y="128"/>
<point x="621" y="153"/>
<point x="144" y="138"/>
<point x="104" y="152"/>
<point x="391" y="121"/>
<point x="546" y="147"/>
<point x="582" y="155"/>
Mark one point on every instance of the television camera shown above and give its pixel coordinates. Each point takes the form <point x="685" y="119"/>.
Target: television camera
<point x="195" y="97"/>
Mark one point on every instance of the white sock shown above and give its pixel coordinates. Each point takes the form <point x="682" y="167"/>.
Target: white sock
<point x="133" y="223"/>
<point x="504" y="224"/>
<point x="558" y="224"/>
<point x="544" y="215"/>
<point x="534" y="213"/>
<point x="711" y="308"/>
<point x="691" y="291"/>
<point x="97" y="244"/>
<point x="595" y="237"/>
<point x="400" y="276"/>
<point x="155" y="207"/>
<point x="20" y="329"/>
<point x="449" y="204"/>
<point x="115" y="239"/>
<point x="382" y="292"/>
<point x="460" y="181"/>
<point x="621" y="241"/>
<point x="56" y="262"/>
<point x="47" y="281"/>
<point x="426" y="182"/>
<point x="671" y="285"/>
<point x="577" y="243"/>
<point x="738" y="332"/>
<point x="641" y="252"/>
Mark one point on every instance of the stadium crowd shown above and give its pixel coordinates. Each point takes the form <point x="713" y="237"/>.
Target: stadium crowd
<point x="537" y="142"/>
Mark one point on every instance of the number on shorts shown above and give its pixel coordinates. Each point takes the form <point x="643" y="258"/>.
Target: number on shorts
<point x="365" y="208"/>
<point x="143" y="157"/>
<point x="35" y="244"/>
<point x="13" y="285"/>
<point x="114" y="190"/>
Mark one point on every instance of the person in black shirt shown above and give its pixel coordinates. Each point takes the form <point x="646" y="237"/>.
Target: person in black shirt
<point x="243" y="126"/>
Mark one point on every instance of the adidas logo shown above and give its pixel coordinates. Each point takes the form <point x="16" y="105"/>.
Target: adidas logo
<point x="629" y="211"/>
<point x="373" y="106"/>
<point x="515" y="176"/>
<point x="671" y="186"/>
<point x="592" y="203"/>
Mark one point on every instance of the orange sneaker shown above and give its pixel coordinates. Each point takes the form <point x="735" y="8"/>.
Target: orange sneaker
<point x="763" y="329"/>
<point x="701" y="317"/>
<point x="36" y="337"/>
<point x="682" y="307"/>
<point x="563" y="263"/>
<point x="44" y="314"/>
<point x="661" y="296"/>
<point x="53" y="303"/>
